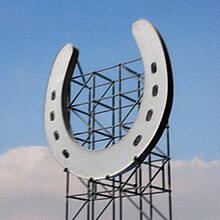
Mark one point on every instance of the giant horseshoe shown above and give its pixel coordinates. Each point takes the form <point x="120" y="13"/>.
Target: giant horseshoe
<point x="147" y="129"/>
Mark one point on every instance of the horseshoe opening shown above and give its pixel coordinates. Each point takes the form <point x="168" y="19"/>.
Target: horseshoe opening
<point x="104" y="104"/>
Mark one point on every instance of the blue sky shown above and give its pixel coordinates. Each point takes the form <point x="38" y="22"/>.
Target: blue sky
<point x="31" y="33"/>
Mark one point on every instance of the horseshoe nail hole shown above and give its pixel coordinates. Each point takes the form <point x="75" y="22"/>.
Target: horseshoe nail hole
<point x="149" y="115"/>
<point x="154" y="67"/>
<point x="65" y="153"/>
<point x="137" y="140"/>
<point x="52" y="116"/>
<point x="53" y="95"/>
<point x="56" y="135"/>
<point x="155" y="90"/>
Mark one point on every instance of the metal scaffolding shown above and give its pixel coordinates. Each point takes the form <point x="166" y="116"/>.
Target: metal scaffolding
<point x="102" y="106"/>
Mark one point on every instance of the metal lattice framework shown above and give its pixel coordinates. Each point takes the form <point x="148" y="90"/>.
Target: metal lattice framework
<point x="102" y="107"/>
<point x="105" y="103"/>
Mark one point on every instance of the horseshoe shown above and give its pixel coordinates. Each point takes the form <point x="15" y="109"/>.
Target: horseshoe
<point x="147" y="129"/>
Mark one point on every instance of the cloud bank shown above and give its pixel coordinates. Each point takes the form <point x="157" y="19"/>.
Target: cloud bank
<point x="32" y="186"/>
<point x="196" y="191"/>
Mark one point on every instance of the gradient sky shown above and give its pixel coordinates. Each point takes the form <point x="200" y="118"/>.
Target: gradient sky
<point x="31" y="33"/>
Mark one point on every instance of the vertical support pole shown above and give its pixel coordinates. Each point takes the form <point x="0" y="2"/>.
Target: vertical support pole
<point x="113" y="112"/>
<point x="93" y="199"/>
<point x="140" y="196"/>
<point x="164" y="175"/>
<point x="113" y="203"/>
<point x="120" y="135"/>
<point x="137" y="182"/>
<point x="68" y="119"/>
<point x="120" y="199"/>
<point x="140" y="169"/>
<point x="93" y="111"/>
<point x="120" y="101"/>
<point x="150" y="188"/>
<point x="88" y="197"/>
<point x="139" y="91"/>
<point x="113" y="142"/>
<point x="91" y="142"/>
<point x="89" y="118"/>
<point x="67" y="193"/>
<point x="169" y="172"/>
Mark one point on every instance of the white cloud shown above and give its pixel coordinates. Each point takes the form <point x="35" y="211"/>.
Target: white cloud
<point x="32" y="186"/>
<point x="196" y="191"/>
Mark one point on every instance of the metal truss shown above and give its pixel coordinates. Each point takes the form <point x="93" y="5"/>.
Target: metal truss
<point x="102" y="108"/>
<point x="105" y="104"/>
